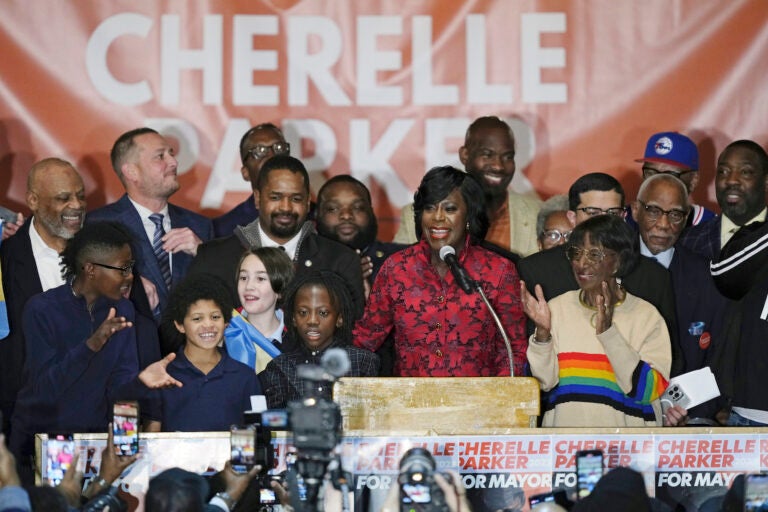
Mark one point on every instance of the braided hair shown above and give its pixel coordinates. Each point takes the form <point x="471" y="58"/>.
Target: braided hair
<point x="339" y="293"/>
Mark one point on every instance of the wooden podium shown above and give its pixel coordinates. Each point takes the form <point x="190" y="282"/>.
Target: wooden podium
<point x="437" y="406"/>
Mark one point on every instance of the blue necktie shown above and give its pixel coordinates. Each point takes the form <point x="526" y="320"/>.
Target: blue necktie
<point x="163" y="260"/>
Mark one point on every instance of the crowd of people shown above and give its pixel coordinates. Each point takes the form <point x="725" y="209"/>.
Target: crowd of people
<point x="602" y="300"/>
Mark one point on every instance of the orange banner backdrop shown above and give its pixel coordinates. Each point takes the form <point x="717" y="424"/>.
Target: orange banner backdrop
<point x="382" y="90"/>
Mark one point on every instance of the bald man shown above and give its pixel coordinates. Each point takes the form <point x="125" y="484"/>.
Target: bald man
<point x="488" y="154"/>
<point x="30" y="258"/>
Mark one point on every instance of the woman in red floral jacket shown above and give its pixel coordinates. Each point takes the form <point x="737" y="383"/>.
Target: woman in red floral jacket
<point x="438" y="329"/>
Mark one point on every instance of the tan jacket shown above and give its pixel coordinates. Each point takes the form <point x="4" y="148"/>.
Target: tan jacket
<point x="522" y="227"/>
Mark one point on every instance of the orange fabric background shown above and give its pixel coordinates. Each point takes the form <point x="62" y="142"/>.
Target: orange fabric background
<point x="630" y="69"/>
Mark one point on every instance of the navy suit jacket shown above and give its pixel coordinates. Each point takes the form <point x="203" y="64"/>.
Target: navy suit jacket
<point x="703" y="239"/>
<point x="124" y="212"/>
<point x="696" y="300"/>
<point x="241" y="215"/>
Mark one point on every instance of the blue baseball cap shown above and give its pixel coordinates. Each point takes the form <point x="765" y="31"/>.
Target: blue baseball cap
<point x="671" y="148"/>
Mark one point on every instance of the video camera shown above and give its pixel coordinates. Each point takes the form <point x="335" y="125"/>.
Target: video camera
<point x="418" y="489"/>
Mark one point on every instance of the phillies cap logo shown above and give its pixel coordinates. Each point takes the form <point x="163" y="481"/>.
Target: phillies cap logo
<point x="663" y="146"/>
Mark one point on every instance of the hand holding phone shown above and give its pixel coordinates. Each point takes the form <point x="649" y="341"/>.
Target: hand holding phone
<point x="125" y="427"/>
<point x="242" y="443"/>
<point x="589" y="469"/>
<point x="60" y="453"/>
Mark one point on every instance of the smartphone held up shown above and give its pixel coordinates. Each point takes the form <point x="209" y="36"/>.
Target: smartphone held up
<point x="125" y="427"/>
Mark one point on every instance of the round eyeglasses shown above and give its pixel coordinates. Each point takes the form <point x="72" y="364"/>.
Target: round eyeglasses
<point x="594" y="255"/>
<point x="260" y="151"/>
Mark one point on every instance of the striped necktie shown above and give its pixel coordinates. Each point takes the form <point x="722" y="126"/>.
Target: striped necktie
<point x="157" y="247"/>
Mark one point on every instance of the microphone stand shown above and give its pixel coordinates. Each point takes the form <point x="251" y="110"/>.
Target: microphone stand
<point x="500" y="327"/>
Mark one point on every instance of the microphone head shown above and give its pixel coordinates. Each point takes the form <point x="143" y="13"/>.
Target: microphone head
<point x="336" y="362"/>
<point x="446" y="250"/>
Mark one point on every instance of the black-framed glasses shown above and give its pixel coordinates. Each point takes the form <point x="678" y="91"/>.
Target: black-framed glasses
<point x="260" y="151"/>
<point x="594" y="255"/>
<point x="648" y="172"/>
<point x="555" y="235"/>
<point x="655" y="213"/>
<point x="593" y="211"/>
<point x="125" y="271"/>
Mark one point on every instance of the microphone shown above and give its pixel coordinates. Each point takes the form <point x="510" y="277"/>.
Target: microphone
<point x="336" y="362"/>
<point x="448" y="255"/>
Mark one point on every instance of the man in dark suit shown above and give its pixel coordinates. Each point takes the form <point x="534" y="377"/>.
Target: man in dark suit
<point x="740" y="188"/>
<point x="345" y="214"/>
<point x="661" y="210"/>
<point x="258" y="144"/>
<point x="165" y="236"/>
<point x="281" y="192"/>
<point x="30" y="259"/>
<point x="597" y="194"/>
<point x="741" y="273"/>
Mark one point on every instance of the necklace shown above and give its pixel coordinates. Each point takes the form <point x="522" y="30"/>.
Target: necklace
<point x="593" y="318"/>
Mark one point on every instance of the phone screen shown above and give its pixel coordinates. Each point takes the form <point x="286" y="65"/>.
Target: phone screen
<point x="60" y="450"/>
<point x="416" y="493"/>
<point x="242" y="443"/>
<point x="267" y="496"/>
<point x="589" y="469"/>
<point x="756" y="492"/>
<point x="125" y="427"/>
<point x="557" y="496"/>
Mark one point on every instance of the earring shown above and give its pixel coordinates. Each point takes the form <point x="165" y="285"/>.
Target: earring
<point x="467" y="225"/>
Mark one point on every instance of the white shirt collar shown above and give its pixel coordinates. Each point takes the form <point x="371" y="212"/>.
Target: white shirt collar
<point x="291" y="246"/>
<point x="664" y="257"/>
<point x="47" y="259"/>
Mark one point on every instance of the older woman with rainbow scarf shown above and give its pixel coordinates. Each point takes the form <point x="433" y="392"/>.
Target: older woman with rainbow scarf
<point x="602" y="354"/>
<point x="255" y="333"/>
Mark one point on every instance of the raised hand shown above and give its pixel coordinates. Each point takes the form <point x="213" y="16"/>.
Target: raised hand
<point x="181" y="240"/>
<point x="108" y="327"/>
<point x="537" y="309"/>
<point x="604" y="303"/>
<point x="156" y="376"/>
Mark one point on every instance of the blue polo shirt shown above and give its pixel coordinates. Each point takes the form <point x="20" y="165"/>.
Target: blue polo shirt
<point x="210" y="402"/>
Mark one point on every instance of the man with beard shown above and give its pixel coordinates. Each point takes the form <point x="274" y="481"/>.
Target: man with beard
<point x="488" y="154"/>
<point x="165" y="236"/>
<point x="345" y="214"/>
<point x="30" y="259"/>
<point x="281" y="192"/>
<point x="258" y="144"/>
<point x="740" y="186"/>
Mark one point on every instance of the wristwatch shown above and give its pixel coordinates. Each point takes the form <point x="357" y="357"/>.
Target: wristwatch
<point x="226" y="498"/>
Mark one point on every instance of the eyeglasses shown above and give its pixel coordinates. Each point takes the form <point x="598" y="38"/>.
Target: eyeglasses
<point x="555" y="235"/>
<point x="594" y="256"/>
<point x="261" y="150"/>
<point x="125" y="271"/>
<point x="593" y="211"/>
<point x="654" y="213"/>
<point x="648" y="172"/>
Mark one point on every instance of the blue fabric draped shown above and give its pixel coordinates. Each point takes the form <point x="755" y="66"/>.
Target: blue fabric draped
<point x="4" y="327"/>
<point x="240" y="336"/>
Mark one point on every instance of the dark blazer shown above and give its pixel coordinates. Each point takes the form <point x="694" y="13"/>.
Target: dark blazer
<point x="242" y="214"/>
<point x="649" y="281"/>
<point x="146" y="264"/>
<point x="703" y="239"/>
<point x="20" y="282"/>
<point x="220" y="257"/>
<point x="379" y="252"/>
<point x="697" y="300"/>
